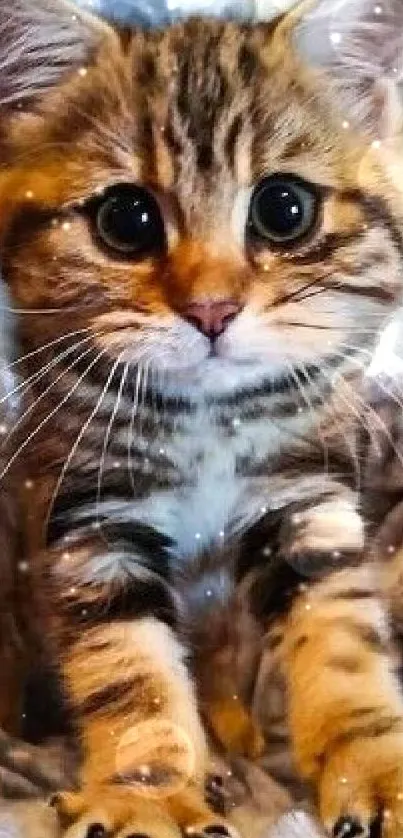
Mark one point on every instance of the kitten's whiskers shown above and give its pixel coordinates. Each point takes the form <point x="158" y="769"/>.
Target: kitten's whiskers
<point x="36" y="376"/>
<point x="48" y="345"/>
<point x="365" y="413"/>
<point x="50" y="415"/>
<point x="81" y="434"/>
<point x="130" y="432"/>
<point x="110" y="423"/>
<point x="40" y="398"/>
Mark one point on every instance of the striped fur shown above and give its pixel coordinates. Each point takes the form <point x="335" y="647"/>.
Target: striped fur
<point x="163" y="484"/>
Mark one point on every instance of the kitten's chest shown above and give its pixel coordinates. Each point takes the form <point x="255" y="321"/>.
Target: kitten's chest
<point x="216" y="492"/>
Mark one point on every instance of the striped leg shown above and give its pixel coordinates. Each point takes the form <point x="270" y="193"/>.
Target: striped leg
<point x="144" y="752"/>
<point x="345" y="705"/>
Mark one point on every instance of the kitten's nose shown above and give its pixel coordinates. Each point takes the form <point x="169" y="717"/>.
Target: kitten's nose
<point x="211" y="317"/>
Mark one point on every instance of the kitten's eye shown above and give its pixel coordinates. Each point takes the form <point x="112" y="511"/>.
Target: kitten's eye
<point x="283" y="209"/>
<point x="128" y="220"/>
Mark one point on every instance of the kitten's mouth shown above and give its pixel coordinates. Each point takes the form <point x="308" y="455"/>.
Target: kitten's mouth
<point x="214" y="375"/>
<point x="213" y="351"/>
<point x="216" y="355"/>
<point x="187" y="364"/>
<point x="215" y="361"/>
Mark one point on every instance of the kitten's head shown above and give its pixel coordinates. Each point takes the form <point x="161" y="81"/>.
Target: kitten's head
<point x="194" y="197"/>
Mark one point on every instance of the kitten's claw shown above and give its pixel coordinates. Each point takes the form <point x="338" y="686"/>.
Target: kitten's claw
<point x="96" y="830"/>
<point x="349" y="828"/>
<point x="361" y="788"/>
<point x="212" y="830"/>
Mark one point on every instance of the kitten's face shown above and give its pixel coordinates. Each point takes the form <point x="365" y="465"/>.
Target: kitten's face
<point x="190" y="198"/>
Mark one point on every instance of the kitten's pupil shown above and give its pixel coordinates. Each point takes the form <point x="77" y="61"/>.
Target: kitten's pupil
<point x="282" y="209"/>
<point x="128" y="220"/>
<point x="282" y="212"/>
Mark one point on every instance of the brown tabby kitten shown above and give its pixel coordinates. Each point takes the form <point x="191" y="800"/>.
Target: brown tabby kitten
<point x="203" y="255"/>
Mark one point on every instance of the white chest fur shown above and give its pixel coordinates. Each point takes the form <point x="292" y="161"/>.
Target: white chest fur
<point x="214" y="498"/>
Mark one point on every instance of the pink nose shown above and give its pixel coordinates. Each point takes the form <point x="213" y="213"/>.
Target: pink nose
<point x="212" y="317"/>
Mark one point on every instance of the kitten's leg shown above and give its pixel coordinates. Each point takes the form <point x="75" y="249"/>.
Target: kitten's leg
<point x="345" y="703"/>
<point x="144" y="752"/>
<point x="228" y="719"/>
<point x="234" y="728"/>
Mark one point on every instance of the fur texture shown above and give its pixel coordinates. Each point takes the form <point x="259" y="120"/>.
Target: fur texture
<point x="177" y="488"/>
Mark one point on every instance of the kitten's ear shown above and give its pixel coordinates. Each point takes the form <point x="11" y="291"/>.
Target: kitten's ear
<point x="41" y="41"/>
<point x="360" y="43"/>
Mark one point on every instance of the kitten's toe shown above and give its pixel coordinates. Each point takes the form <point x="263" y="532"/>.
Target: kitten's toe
<point x="348" y="827"/>
<point x="217" y="830"/>
<point x="361" y="788"/>
<point x="96" y="830"/>
<point x="137" y="835"/>
<point x="212" y="830"/>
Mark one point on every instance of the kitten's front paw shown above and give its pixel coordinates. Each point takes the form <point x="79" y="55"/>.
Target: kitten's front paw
<point x="332" y="525"/>
<point x="104" y="812"/>
<point x="110" y="812"/>
<point x="316" y="539"/>
<point x="361" y="787"/>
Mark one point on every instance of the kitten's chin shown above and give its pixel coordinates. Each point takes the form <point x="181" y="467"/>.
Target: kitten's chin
<point x="215" y="377"/>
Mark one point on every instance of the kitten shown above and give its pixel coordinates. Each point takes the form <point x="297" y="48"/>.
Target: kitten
<point x="203" y="253"/>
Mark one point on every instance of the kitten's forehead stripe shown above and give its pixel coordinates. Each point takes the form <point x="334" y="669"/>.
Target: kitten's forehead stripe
<point x="201" y="91"/>
<point x="149" y="161"/>
<point x="202" y="96"/>
<point x="249" y="63"/>
<point x="233" y="133"/>
<point x="297" y="146"/>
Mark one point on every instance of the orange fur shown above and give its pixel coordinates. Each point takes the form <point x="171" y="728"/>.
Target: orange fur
<point x="198" y="114"/>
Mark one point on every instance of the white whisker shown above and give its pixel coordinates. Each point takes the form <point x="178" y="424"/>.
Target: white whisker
<point x="50" y="387"/>
<point x="111" y="422"/>
<point x="81" y="435"/>
<point x="36" y="376"/>
<point x="48" y="345"/>
<point x="308" y="401"/>
<point x="133" y="414"/>
<point x="381" y="383"/>
<point x="365" y="412"/>
<point x="47" y="418"/>
<point x="41" y="311"/>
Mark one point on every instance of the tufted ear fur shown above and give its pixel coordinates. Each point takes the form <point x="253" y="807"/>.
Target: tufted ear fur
<point x="40" y="42"/>
<point x="360" y="44"/>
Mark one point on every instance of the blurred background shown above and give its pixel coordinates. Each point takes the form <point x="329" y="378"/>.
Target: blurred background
<point x="160" y="12"/>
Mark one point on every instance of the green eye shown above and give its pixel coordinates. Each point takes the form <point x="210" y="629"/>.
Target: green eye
<point x="283" y="209"/>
